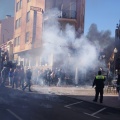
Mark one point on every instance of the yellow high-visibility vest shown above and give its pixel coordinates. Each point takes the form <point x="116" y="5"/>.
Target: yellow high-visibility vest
<point x="100" y="77"/>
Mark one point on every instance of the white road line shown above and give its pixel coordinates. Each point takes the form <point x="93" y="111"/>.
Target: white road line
<point x="14" y="114"/>
<point x="68" y="106"/>
<point x="93" y="114"/>
<point x="98" y="111"/>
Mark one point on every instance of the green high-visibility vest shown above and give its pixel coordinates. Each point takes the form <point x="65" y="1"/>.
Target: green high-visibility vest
<point x="100" y="77"/>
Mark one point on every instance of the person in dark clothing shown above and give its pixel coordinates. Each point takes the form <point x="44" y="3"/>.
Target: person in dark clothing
<point x="4" y="75"/>
<point x="61" y="77"/>
<point x="15" y="78"/>
<point x="99" y="83"/>
<point x="10" y="76"/>
<point x="118" y="83"/>
<point x="21" y="76"/>
<point x="48" y="76"/>
<point x="28" y="77"/>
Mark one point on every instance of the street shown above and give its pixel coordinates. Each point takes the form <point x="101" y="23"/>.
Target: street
<point x="18" y="105"/>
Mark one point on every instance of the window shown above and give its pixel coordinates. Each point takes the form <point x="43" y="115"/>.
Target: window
<point x="18" y="5"/>
<point x="17" y="41"/>
<point x="15" y="24"/>
<point x="73" y="9"/>
<point x="18" y="23"/>
<point x="28" y="16"/>
<point x="28" y="0"/>
<point x="27" y="37"/>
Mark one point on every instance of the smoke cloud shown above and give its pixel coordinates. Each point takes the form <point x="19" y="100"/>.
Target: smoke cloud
<point x="81" y="53"/>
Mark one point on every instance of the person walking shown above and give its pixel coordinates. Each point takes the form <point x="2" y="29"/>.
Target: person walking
<point x="4" y="76"/>
<point x="28" y="77"/>
<point x="15" y="78"/>
<point x="99" y="86"/>
<point x="21" y="76"/>
<point x="10" y="76"/>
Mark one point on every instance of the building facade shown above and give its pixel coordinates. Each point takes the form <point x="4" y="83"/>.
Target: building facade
<point x="71" y="11"/>
<point x="28" y="22"/>
<point x="6" y="29"/>
<point x="114" y="61"/>
<point x="117" y="48"/>
<point x="6" y="36"/>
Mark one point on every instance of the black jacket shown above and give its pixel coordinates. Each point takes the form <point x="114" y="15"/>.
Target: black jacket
<point x="99" y="81"/>
<point x="28" y="74"/>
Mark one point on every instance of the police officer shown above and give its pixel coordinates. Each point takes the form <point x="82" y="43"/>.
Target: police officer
<point x="99" y="83"/>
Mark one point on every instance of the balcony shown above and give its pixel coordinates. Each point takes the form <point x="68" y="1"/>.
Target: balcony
<point x="68" y="14"/>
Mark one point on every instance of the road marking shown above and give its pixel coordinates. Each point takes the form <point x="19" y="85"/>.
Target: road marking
<point x="68" y="106"/>
<point x="98" y="111"/>
<point x="14" y="114"/>
<point x="93" y="114"/>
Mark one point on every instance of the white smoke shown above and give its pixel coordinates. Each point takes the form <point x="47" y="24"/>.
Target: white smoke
<point x="83" y="53"/>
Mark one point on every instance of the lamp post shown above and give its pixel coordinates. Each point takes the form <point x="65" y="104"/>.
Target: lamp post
<point x="115" y="52"/>
<point x="117" y="31"/>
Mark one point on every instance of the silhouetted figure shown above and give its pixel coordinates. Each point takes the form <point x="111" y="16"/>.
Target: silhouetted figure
<point x="99" y="83"/>
<point x="48" y="76"/>
<point x="22" y="76"/>
<point x="10" y="76"/>
<point x="28" y="77"/>
<point x="15" y="78"/>
<point x="118" y="83"/>
<point x="4" y="75"/>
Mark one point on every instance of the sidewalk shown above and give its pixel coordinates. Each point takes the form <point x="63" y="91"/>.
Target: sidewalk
<point x="83" y="93"/>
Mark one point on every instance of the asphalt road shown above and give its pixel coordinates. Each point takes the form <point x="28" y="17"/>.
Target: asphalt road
<point x="18" y="105"/>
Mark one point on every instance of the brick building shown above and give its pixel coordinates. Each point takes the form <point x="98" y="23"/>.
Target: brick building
<point x="6" y="29"/>
<point x="6" y="35"/>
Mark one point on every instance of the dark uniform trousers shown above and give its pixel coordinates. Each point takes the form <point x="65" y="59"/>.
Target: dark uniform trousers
<point x="99" y="90"/>
<point x="99" y="83"/>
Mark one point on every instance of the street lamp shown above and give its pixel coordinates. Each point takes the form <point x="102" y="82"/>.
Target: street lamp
<point x="115" y="52"/>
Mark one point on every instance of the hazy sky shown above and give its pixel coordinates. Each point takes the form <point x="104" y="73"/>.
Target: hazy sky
<point x="104" y="13"/>
<point x="6" y="8"/>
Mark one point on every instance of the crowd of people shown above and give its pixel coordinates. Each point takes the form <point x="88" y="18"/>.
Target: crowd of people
<point x="22" y="77"/>
<point x="25" y="76"/>
<point x="16" y="77"/>
<point x="50" y="77"/>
